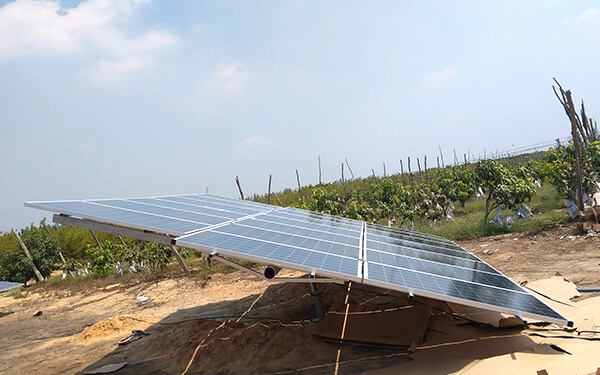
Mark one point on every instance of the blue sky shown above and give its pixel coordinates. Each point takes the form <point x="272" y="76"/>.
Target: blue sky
<point x="120" y="98"/>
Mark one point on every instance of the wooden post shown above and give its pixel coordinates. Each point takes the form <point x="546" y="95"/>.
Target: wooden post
<point x="350" y="169"/>
<point x="277" y="198"/>
<point x="37" y="273"/>
<point x="455" y="157"/>
<point x="300" y="192"/>
<point x="62" y="258"/>
<point x="344" y="184"/>
<point x="237" y="181"/>
<point x="410" y="175"/>
<point x="180" y="260"/>
<point x="384" y="171"/>
<point x="373" y="171"/>
<point x="575" y="136"/>
<point x="320" y="183"/>
<point x="122" y="242"/>
<point x="402" y="171"/>
<point x="425" y="165"/>
<point x="441" y="156"/>
<point x="438" y="162"/>
<point x="95" y="238"/>
<point x="269" y="193"/>
<point x="419" y="166"/>
<point x="465" y="155"/>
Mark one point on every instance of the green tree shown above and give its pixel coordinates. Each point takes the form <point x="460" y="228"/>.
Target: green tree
<point x="502" y="187"/>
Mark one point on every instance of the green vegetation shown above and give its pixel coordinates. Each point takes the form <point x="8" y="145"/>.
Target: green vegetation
<point x="420" y="200"/>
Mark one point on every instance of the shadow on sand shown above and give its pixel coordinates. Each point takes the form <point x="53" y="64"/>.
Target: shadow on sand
<point x="274" y="337"/>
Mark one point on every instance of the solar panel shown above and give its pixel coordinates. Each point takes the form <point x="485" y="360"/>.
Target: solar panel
<point x="321" y="244"/>
<point x="5" y="285"/>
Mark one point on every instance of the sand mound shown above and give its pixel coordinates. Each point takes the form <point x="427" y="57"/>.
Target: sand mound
<point x="116" y="325"/>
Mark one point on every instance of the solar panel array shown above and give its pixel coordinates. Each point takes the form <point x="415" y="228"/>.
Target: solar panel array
<point x="5" y="285"/>
<point x="326" y="245"/>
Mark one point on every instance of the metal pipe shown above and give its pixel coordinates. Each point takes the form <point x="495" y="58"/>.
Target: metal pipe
<point x="316" y="294"/>
<point x="271" y="271"/>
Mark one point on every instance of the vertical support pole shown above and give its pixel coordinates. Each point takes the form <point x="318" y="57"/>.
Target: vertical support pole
<point x="37" y="273"/>
<point x="180" y="260"/>
<point x="441" y="156"/>
<point x="384" y="171"/>
<point x="316" y="294"/>
<point x="575" y="136"/>
<point x="425" y="165"/>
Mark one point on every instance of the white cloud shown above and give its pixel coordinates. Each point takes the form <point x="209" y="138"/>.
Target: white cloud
<point x="440" y="76"/>
<point x="228" y="78"/>
<point x="44" y="27"/>
<point x="108" y="72"/>
<point x="252" y="145"/>
<point x="589" y="17"/>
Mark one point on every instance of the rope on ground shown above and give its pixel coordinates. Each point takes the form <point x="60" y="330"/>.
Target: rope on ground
<point x="199" y="346"/>
<point x="249" y="308"/>
<point x="339" y="352"/>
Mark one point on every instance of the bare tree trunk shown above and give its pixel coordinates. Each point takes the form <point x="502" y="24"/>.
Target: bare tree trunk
<point x="575" y="136"/>
<point x="269" y="193"/>
<point x="350" y="169"/>
<point x="239" y="185"/>
<point x="37" y="273"/>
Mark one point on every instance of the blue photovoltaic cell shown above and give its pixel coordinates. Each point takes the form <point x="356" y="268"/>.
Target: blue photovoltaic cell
<point x="276" y="248"/>
<point x="123" y="217"/>
<point x="325" y="244"/>
<point x="5" y="285"/>
<point x="501" y="298"/>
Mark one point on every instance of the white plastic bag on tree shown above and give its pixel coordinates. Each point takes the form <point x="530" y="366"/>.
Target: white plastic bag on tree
<point x="572" y="208"/>
<point x="499" y="218"/>
<point x="523" y="213"/>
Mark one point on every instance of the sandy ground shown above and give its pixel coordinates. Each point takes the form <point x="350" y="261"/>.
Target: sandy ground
<point x="184" y="318"/>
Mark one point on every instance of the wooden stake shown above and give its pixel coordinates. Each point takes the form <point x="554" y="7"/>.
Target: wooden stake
<point x="320" y="183"/>
<point x="575" y="136"/>
<point x="425" y="165"/>
<point x="373" y="171"/>
<point x="277" y="198"/>
<point x="344" y="183"/>
<point x="95" y="239"/>
<point x="180" y="260"/>
<point x="300" y="192"/>
<point x="438" y="162"/>
<point x="465" y="155"/>
<point x="269" y="193"/>
<point x="37" y="273"/>
<point x="384" y="171"/>
<point x="402" y="171"/>
<point x="350" y="169"/>
<point x="455" y="158"/>
<point x="441" y="156"/>
<point x="237" y="181"/>
<point x="419" y="165"/>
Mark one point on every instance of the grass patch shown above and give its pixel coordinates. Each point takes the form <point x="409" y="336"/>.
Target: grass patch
<point x="547" y="206"/>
